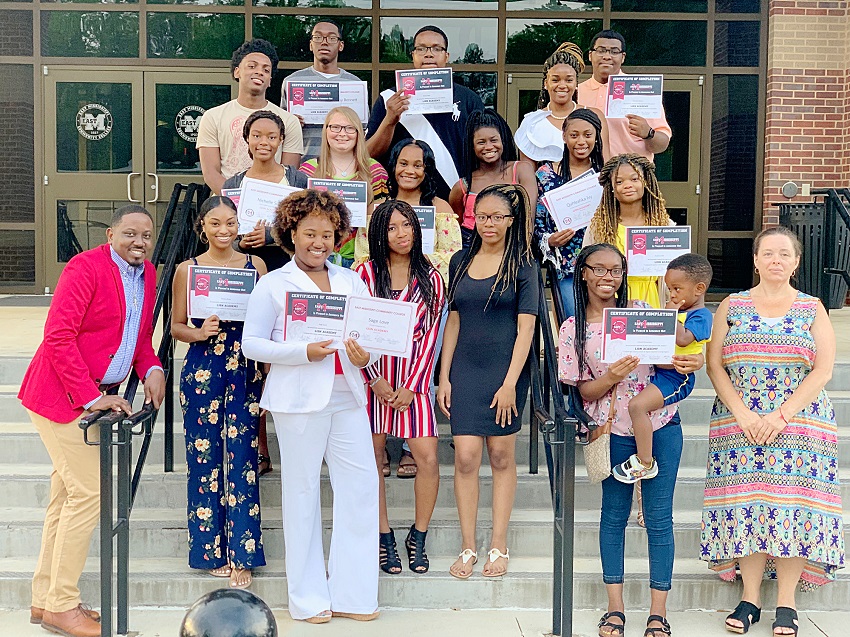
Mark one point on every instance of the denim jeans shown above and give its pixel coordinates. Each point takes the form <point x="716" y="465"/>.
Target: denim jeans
<point x="657" y="508"/>
<point x="567" y="296"/>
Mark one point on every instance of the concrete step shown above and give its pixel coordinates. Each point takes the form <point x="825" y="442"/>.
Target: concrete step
<point x="528" y="585"/>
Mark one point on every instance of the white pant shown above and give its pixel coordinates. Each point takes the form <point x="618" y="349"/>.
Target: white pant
<point x="339" y="433"/>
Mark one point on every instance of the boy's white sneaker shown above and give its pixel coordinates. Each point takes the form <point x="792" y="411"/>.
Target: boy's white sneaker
<point x="633" y="470"/>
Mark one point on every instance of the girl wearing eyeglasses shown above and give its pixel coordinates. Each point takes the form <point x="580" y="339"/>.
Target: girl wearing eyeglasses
<point x="344" y="155"/>
<point x="493" y="302"/>
<point x="601" y="282"/>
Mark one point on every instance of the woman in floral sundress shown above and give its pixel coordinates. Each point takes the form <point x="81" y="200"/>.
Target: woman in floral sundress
<point x="220" y="392"/>
<point x="772" y="496"/>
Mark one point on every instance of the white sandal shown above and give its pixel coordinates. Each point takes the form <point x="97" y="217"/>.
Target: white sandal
<point x="493" y="555"/>
<point x="466" y="555"/>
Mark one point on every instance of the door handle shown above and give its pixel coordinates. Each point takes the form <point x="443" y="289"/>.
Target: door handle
<point x="130" y="194"/>
<point x="154" y="187"/>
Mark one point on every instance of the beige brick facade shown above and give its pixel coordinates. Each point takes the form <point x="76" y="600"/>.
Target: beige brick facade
<point x="807" y="134"/>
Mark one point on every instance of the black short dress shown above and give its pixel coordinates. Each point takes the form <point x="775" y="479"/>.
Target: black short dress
<point x="485" y="346"/>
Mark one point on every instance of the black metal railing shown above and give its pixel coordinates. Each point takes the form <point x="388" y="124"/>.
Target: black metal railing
<point x="558" y="413"/>
<point x="176" y="242"/>
<point x="836" y="257"/>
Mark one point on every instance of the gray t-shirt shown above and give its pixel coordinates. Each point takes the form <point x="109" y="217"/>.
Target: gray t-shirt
<point x="312" y="133"/>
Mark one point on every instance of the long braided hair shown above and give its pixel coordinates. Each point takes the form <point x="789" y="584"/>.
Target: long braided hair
<point x="517" y="239"/>
<point x="605" y="220"/>
<point x="428" y="187"/>
<point x="596" y="159"/>
<point x="569" y="54"/>
<point x="582" y="297"/>
<point x="379" y="251"/>
<point x="487" y="118"/>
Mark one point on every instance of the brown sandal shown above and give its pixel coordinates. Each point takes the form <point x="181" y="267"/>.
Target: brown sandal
<point x="406" y="466"/>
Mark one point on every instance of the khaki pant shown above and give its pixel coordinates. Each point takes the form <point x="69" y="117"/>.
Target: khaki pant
<point x="72" y="514"/>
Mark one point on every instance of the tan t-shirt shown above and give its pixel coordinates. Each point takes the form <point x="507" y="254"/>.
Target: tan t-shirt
<point x="221" y="127"/>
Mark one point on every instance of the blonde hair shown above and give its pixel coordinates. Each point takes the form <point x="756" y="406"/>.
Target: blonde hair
<point x="324" y="165"/>
<point x="603" y="226"/>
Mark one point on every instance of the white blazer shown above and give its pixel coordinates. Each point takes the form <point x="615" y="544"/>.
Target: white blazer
<point x="295" y="385"/>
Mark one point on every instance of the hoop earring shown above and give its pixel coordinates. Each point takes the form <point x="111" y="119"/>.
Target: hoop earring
<point x="757" y="270"/>
<point x="204" y="237"/>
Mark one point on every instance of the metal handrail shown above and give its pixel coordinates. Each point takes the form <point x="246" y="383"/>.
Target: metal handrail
<point x="177" y="242"/>
<point x="835" y="210"/>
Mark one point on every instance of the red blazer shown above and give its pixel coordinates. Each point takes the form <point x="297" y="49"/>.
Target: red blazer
<point x="82" y="333"/>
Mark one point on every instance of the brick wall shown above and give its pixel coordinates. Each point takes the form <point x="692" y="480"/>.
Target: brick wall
<point x="807" y="135"/>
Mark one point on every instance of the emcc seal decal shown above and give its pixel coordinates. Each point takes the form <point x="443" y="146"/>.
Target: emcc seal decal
<point x="94" y="121"/>
<point x="187" y="121"/>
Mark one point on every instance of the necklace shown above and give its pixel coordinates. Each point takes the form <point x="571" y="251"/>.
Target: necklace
<point x="558" y="117"/>
<point x="226" y="263"/>
<point x="344" y="173"/>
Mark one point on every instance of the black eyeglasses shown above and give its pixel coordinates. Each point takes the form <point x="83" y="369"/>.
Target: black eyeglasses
<point x="496" y="219"/>
<point x="604" y="50"/>
<point x="422" y="50"/>
<point x="599" y="271"/>
<point x="330" y="39"/>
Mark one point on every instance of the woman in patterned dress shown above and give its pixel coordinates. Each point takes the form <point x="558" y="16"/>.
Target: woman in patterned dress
<point x="220" y="393"/>
<point x="772" y="496"/>
<point x="399" y="395"/>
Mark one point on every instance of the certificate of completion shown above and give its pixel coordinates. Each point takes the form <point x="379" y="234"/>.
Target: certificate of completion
<point x="222" y="292"/>
<point x="649" y="249"/>
<point x="233" y="194"/>
<point x="353" y="193"/>
<point x="635" y="95"/>
<point x="646" y="333"/>
<point x="314" y="316"/>
<point x="573" y="204"/>
<point x="379" y="325"/>
<point x="259" y="202"/>
<point x="429" y="90"/>
<point x="313" y="99"/>
<point x="427" y="217"/>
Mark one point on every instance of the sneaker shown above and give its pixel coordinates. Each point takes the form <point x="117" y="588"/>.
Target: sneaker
<point x="633" y="470"/>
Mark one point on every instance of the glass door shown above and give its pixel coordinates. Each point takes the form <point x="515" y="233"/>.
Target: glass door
<point x="93" y="164"/>
<point x="174" y="102"/>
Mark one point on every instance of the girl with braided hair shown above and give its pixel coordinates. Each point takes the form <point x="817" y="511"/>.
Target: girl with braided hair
<point x="494" y="295"/>
<point x="538" y="137"/>
<point x="630" y="197"/>
<point x="489" y="158"/>
<point x="582" y="137"/>
<point x="398" y="393"/>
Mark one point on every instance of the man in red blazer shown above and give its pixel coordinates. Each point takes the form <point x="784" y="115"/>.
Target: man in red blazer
<point x="99" y="325"/>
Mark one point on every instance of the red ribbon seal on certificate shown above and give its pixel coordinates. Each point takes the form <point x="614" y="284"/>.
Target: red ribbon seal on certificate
<point x="638" y="244"/>
<point x="299" y="310"/>
<point x="619" y="90"/>
<point x="409" y="85"/>
<point x="202" y="285"/>
<point x="298" y="95"/>
<point x="618" y="328"/>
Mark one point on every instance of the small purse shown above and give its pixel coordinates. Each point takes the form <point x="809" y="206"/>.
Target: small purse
<point x="597" y="452"/>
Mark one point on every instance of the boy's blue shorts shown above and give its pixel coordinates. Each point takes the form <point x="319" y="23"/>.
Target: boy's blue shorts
<point x="674" y="386"/>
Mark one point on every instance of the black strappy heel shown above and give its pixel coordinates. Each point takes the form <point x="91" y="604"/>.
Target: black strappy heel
<point x="664" y="630"/>
<point x="746" y="613"/>
<point x="786" y="617"/>
<point x="415" y="545"/>
<point x="388" y="558"/>
<point x="613" y="628"/>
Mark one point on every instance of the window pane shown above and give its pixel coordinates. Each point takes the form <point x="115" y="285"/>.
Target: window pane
<point x="731" y="260"/>
<point x="736" y="43"/>
<point x="681" y="6"/>
<point x="81" y="225"/>
<point x="554" y="5"/>
<point x="649" y="42"/>
<point x="532" y="41"/>
<point x="335" y="4"/>
<point x="484" y="84"/>
<point x="470" y="41"/>
<point x="18" y="264"/>
<point x="738" y="6"/>
<point x="291" y="35"/>
<point x="204" y="2"/>
<point x="93" y="1"/>
<point x="672" y="165"/>
<point x="16" y="32"/>
<point x="94" y="127"/>
<point x="196" y="36"/>
<point x="734" y="131"/>
<point x="445" y="5"/>
<point x="17" y="161"/>
<point x="90" y="34"/>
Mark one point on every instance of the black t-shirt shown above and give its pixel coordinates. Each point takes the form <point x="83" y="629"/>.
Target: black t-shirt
<point x="449" y="129"/>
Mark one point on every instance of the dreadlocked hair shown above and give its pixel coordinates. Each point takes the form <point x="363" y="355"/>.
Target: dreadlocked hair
<point x="486" y="118"/>
<point x="605" y="220"/>
<point x="517" y="239"/>
<point x="569" y="54"/>
<point x="420" y="268"/>
<point x="596" y="159"/>
<point x="582" y="297"/>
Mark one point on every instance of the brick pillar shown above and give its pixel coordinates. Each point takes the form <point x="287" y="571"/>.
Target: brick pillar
<point x="807" y="134"/>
